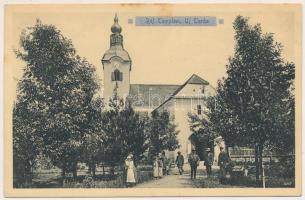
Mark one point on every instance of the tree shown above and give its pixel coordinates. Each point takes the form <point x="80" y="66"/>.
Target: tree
<point x="136" y="135"/>
<point x="125" y="131"/>
<point x="223" y="120"/>
<point x="256" y="88"/>
<point x="26" y="146"/>
<point x="56" y="88"/>
<point x="203" y="136"/>
<point x="92" y="147"/>
<point x="162" y="133"/>
<point x="216" y="120"/>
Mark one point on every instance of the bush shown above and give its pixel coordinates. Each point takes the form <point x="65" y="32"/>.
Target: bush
<point x="144" y="173"/>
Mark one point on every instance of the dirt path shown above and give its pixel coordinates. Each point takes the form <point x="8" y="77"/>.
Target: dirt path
<point x="174" y="180"/>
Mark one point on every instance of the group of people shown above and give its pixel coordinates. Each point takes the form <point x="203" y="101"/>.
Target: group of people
<point x="160" y="168"/>
<point x="193" y="160"/>
<point x="160" y="165"/>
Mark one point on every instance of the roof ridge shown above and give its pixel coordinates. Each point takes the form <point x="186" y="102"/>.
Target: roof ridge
<point x="198" y="77"/>
<point x="181" y="87"/>
<point x="153" y="84"/>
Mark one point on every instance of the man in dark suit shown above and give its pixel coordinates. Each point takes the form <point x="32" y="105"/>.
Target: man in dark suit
<point x="180" y="162"/>
<point x="223" y="161"/>
<point x="209" y="162"/>
<point x="194" y="162"/>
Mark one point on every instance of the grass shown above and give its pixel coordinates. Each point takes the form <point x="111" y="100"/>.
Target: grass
<point x="242" y="182"/>
<point x="52" y="179"/>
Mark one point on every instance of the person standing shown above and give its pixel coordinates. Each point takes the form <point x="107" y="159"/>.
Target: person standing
<point x="180" y="162"/>
<point x="223" y="161"/>
<point x="194" y="162"/>
<point x="131" y="170"/>
<point x="209" y="162"/>
<point x="165" y="163"/>
<point x="155" y="167"/>
<point x="160" y="166"/>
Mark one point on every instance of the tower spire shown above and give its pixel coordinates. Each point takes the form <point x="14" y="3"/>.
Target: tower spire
<point x="116" y="19"/>
<point x="116" y="28"/>
<point x="116" y="39"/>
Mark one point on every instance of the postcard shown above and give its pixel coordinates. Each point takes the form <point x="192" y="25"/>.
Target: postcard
<point x="107" y="100"/>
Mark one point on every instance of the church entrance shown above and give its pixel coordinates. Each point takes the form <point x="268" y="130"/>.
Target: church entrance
<point x="199" y="144"/>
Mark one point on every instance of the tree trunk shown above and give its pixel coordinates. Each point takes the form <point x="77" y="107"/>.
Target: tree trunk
<point x="74" y="169"/>
<point x="261" y="161"/>
<point x="28" y="172"/>
<point x="103" y="170"/>
<point x="63" y="171"/>
<point x="112" y="171"/>
<point x="93" y="169"/>
<point x="89" y="168"/>
<point x="257" y="163"/>
<point x="227" y="150"/>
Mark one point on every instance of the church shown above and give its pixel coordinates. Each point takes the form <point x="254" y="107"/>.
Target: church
<point x="178" y="100"/>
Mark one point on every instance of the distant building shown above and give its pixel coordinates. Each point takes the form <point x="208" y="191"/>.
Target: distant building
<point x="188" y="98"/>
<point x="179" y="100"/>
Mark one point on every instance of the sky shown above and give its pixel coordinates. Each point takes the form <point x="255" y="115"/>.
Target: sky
<point x="160" y="55"/>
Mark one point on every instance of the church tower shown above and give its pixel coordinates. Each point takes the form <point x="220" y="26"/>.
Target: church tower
<point x="116" y="65"/>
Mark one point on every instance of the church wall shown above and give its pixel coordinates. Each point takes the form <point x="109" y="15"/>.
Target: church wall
<point x="109" y="85"/>
<point x="186" y="101"/>
<point x="182" y="108"/>
<point x="196" y="90"/>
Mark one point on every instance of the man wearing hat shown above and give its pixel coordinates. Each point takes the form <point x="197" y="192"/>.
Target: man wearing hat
<point x="194" y="162"/>
<point x="223" y="161"/>
<point x="209" y="162"/>
<point x="180" y="162"/>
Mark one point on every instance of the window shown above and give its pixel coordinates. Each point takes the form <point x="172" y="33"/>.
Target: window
<point x="199" y="109"/>
<point x="117" y="75"/>
<point x="202" y="89"/>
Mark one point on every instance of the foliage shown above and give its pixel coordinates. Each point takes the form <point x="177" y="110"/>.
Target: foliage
<point x="223" y="120"/>
<point x="26" y="146"/>
<point x="258" y="80"/>
<point x="56" y="90"/>
<point x="254" y="98"/>
<point x="92" y="146"/>
<point x="163" y="133"/>
<point x="125" y="132"/>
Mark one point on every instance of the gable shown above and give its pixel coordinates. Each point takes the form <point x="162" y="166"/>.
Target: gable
<point x="195" y="90"/>
<point x="194" y="87"/>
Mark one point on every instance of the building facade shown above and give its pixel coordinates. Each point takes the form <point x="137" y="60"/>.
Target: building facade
<point x="178" y="100"/>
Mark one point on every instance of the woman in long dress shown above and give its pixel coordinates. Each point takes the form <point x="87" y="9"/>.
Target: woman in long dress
<point x="155" y="167"/>
<point x="130" y="168"/>
<point x="160" y="167"/>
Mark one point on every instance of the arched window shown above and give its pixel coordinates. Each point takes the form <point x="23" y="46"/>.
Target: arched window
<point x="117" y="75"/>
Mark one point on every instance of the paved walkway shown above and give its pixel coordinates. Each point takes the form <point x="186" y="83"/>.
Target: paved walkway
<point x="174" y="180"/>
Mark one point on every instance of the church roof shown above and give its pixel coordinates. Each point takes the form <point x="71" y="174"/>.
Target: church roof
<point x="118" y="51"/>
<point x="194" y="79"/>
<point x="154" y="96"/>
<point x="150" y="95"/>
